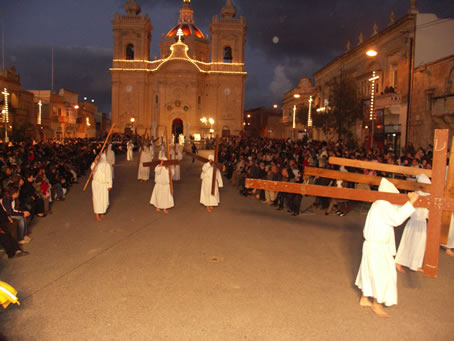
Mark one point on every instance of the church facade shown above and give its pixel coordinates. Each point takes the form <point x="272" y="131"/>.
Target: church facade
<point x="197" y="86"/>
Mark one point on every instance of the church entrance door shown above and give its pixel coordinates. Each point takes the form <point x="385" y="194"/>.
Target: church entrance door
<point x="177" y="128"/>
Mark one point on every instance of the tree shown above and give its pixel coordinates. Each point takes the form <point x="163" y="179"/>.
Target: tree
<point x="344" y="109"/>
<point x="302" y="111"/>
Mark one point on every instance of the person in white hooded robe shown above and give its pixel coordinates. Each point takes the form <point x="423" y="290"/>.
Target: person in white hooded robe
<point x="449" y="246"/>
<point x="206" y="198"/>
<point x="111" y="158"/>
<point x="145" y="156"/>
<point x="129" y="151"/>
<point x="177" y="154"/>
<point x="377" y="276"/>
<point x="101" y="186"/>
<point x="162" y="197"/>
<point x="413" y="242"/>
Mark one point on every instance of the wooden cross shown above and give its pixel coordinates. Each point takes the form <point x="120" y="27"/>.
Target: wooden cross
<point x="437" y="202"/>
<point x="168" y="162"/>
<point x="214" y="163"/>
<point x="98" y="156"/>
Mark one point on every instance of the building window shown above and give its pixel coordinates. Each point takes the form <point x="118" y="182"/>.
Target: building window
<point x="59" y="111"/>
<point x="199" y="100"/>
<point x="228" y="54"/>
<point x="394" y="76"/>
<point x="429" y="95"/>
<point x="130" y="52"/>
<point x="156" y="99"/>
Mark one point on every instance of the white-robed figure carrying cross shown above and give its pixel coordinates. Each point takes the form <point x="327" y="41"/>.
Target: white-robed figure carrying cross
<point x="206" y="197"/>
<point x="101" y="186"/>
<point x="162" y="197"/>
<point x="377" y="276"/>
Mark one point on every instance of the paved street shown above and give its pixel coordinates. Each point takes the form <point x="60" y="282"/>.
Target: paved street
<point x="244" y="272"/>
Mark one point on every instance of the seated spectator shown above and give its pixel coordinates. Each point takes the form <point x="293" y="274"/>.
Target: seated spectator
<point x="29" y="199"/>
<point x="8" y="205"/>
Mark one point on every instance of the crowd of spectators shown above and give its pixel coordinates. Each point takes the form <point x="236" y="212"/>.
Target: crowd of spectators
<point x="285" y="160"/>
<point x="32" y="177"/>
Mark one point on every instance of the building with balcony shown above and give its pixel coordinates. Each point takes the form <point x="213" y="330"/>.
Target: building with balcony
<point x="295" y="104"/>
<point x="17" y="107"/>
<point x="62" y="107"/>
<point x="86" y="122"/>
<point x="406" y="88"/>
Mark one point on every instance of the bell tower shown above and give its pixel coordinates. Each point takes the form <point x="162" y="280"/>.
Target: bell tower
<point x="228" y="36"/>
<point x="132" y="34"/>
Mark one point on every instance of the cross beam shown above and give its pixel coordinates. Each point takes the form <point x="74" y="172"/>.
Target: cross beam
<point x="165" y="163"/>
<point x="198" y="157"/>
<point x="366" y="179"/>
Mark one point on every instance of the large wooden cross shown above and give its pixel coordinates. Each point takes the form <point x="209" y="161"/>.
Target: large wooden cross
<point x="167" y="163"/>
<point x="437" y="202"/>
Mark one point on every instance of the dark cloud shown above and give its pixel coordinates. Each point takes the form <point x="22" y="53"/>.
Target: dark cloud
<point x="310" y="34"/>
<point x="84" y="70"/>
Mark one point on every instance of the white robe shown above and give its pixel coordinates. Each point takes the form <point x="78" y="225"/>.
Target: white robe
<point x="102" y="181"/>
<point x="450" y="243"/>
<point x="206" y="198"/>
<point x="377" y="275"/>
<point x="129" y="153"/>
<point x="413" y="243"/>
<point x="144" y="172"/>
<point x="176" y="155"/>
<point x="110" y="155"/>
<point x="162" y="197"/>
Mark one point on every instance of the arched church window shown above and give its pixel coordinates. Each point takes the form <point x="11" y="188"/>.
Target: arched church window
<point x="228" y="54"/>
<point x="130" y="52"/>
<point x="450" y="82"/>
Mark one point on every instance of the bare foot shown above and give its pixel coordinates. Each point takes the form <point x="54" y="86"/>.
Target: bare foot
<point x="420" y="270"/>
<point x="450" y="252"/>
<point x="364" y="302"/>
<point x="377" y="308"/>
<point x="400" y="268"/>
<point x="158" y="209"/>
<point x="209" y="209"/>
<point x="102" y="216"/>
<point x="165" y="211"/>
<point x="97" y="217"/>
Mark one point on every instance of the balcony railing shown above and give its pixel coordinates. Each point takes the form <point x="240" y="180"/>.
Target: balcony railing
<point x="391" y="101"/>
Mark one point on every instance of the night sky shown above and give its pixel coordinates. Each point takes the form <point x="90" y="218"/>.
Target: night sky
<point x="310" y="34"/>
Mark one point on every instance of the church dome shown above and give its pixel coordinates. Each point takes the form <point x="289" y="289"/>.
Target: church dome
<point x="186" y="23"/>
<point x="189" y="30"/>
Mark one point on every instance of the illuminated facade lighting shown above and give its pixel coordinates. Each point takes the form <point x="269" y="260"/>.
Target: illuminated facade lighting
<point x="161" y="62"/>
<point x="372" y="95"/>
<point x="371" y="53"/>
<point x="5" y="93"/>
<point x="309" y="114"/>
<point x="40" y="104"/>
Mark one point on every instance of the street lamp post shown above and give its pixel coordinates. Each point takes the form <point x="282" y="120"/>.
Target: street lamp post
<point x="294" y="114"/>
<point x="132" y="124"/>
<point x="372" y="53"/>
<point x="211" y="121"/>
